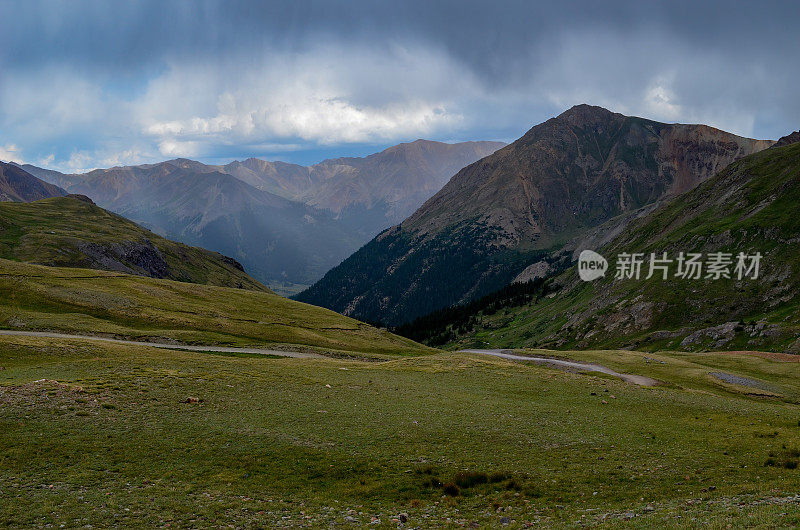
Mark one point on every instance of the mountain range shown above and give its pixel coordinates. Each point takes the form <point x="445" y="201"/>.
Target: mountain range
<point x="748" y="208"/>
<point x="392" y="183"/>
<point x="514" y="208"/>
<point x="287" y="224"/>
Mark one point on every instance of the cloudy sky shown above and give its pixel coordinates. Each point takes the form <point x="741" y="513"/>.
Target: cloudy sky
<point x="87" y="84"/>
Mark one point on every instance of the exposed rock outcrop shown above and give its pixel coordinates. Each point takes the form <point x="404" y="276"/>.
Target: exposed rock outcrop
<point x="131" y="257"/>
<point x="788" y="139"/>
<point x="80" y="197"/>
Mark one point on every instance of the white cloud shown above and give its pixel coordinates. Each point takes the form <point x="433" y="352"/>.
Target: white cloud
<point x="10" y="153"/>
<point x="660" y="102"/>
<point x="174" y="148"/>
<point x="46" y="161"/>
<point x="122" y="158"/>
<point x="303" y="96"/>
<point x="328" y="94"/>
<point x="311" y="117"/>
<point x="80" y="162"/>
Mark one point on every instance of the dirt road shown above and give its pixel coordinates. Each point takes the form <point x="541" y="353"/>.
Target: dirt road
<point x="221" y="349"/>
<point x="587" y="367"/>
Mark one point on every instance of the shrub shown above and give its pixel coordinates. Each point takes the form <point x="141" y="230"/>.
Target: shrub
<point x="468" y="479"/>
<point x="431" y="482"/>
<point x="532" y="492"/>
<point x="451" y="490"/>
<point x="498" y="476"/>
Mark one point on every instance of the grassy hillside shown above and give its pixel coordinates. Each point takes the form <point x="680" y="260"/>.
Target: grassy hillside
<point x="67" y="232"/>
<point x="749" y="207"/>
<point x="95" y="302"/>
<point x="102" y="435"/>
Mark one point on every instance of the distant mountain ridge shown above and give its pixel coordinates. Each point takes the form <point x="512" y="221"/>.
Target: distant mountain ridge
<point x="287" y="224"/>
<point x="18" y="185"/>
<point x="401" y="177"/>
<point x="512" y="208"/>
<point x="197" y="205"/>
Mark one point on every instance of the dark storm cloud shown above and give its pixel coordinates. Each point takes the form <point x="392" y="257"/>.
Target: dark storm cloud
<point x="482" y="34"/>
<point x="162" y="78"/>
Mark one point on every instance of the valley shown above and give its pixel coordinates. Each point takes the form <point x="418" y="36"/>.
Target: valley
<point x="399" y="265"/>
<point x="147" y="382"/>
<point x="287" y="224"/>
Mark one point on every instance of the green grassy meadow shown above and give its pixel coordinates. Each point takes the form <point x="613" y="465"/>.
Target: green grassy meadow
<point x="102" y="435"/>
<point x="91" y="302"/>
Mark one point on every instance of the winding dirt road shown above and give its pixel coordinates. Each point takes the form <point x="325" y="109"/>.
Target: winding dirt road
<point x="505" y="354"/>
<point x="221" y="349"/>
<point x="586" y="367"/>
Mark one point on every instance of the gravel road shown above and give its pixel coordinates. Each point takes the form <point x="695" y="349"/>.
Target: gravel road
<point x="221" y="349"/>
<point x="586" y="367"/>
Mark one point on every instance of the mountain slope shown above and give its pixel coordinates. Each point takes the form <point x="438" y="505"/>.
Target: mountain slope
<point x="287" y="180"/>
<point x="69" y="232"/>
<point x="397" y="180"/>
<point x="750" y="207"/>
<point x="18" y="185"/>
<point x="510" y="209"/>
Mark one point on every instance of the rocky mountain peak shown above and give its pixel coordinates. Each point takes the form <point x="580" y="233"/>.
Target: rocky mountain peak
<point x="586" y="115"/>
<point x="788" y="139"/>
